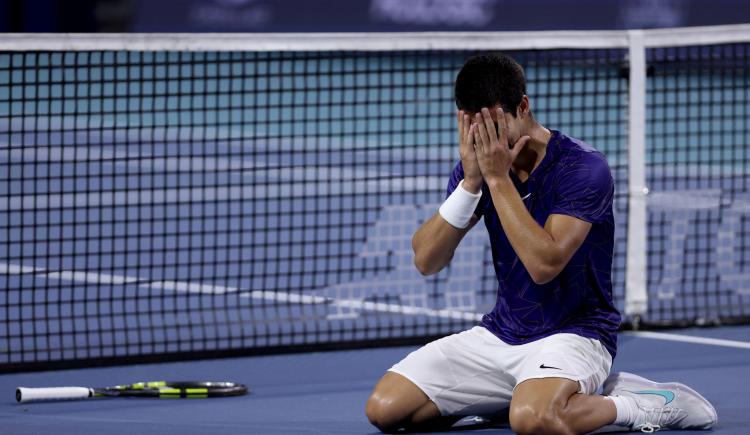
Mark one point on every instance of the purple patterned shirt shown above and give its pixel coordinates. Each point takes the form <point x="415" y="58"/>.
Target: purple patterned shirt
<point x="573" y="179"/>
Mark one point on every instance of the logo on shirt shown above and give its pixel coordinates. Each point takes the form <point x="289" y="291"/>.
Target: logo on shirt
<point x="527" y="195"/>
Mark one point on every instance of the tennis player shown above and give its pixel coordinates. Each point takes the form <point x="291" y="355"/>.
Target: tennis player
<point x="547" y="346"/>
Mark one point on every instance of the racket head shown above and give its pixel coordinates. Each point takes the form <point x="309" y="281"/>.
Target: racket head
<point x="176" y="389"/>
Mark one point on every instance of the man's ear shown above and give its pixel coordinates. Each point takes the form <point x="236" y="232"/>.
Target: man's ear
<point x="524" y="107"/>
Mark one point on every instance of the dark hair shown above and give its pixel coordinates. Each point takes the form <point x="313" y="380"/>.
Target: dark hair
<point x="487" y="80"/>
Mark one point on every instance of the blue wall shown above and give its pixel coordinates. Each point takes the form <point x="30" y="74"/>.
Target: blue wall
<point x="362" y="15"/>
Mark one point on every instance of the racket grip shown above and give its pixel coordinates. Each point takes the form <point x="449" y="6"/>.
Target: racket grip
<point x="24" y="394"/>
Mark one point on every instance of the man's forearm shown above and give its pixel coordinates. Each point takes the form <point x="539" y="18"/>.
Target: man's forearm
<point x="533" y="244"/>
<point x="435" y="242"/>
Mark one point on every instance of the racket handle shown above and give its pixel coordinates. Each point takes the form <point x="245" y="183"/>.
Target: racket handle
<point x="24" y="394"/>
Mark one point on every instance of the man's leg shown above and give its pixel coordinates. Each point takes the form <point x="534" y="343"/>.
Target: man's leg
<point x="557" y="382"/>
<point x="397" y="403"/>
<point x="438" y="384"/>
<point x="554" y="406"/>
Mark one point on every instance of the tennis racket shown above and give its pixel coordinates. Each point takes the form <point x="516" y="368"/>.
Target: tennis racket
<point x="160" y="389"/>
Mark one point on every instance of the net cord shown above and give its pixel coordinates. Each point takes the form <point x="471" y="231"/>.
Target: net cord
<point x="385" y="41"/>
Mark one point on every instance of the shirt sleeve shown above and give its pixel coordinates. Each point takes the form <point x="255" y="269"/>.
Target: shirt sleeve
<point x="585" y="190"/>
<point x="456" y="176"/>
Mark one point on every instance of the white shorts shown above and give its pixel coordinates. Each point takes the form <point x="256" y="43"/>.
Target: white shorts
<point x="474" y="372"/>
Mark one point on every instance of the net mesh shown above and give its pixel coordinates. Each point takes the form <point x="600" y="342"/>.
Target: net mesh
<point x="698" y="104"/>
<point x="184" y="203"/>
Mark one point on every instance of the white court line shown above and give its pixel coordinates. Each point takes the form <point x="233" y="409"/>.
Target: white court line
<point x="298" y="298"/>
<point x="690" y="339"/>
<point x="274" y="296"/>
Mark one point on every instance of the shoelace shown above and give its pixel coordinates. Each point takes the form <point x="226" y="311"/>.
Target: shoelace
<point x="655" y="418"/>
<point x="648" y="428"/>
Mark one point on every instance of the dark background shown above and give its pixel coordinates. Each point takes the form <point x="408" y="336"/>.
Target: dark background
<point x="361" y="15"/>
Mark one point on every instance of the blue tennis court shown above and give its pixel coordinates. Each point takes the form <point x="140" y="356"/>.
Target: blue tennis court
<point x="325" y="393"/>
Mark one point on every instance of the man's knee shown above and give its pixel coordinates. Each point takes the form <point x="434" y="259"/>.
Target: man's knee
<point x="527" y="420"/>
<point x="541" y="406"/>
<point x="382" y="413"/>
<point x="397" y="401"/>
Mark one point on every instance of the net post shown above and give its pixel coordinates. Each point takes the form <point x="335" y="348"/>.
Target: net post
<point x="636" y="297"/>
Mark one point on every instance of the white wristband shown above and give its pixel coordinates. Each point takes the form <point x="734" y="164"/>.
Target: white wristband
<point x="459" y="207"/>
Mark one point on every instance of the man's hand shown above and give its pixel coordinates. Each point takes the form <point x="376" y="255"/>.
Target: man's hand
<point x="472" y="175"/>
<point x="494" y="157"/>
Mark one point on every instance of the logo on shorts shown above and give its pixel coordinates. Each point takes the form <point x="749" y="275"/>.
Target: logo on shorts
<point x="549" y="367"/>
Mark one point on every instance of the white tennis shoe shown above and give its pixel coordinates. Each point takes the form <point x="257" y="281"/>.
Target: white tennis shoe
<point x="662" y="405"/>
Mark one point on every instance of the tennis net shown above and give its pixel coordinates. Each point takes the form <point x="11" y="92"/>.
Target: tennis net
<point x="179" y="196"/>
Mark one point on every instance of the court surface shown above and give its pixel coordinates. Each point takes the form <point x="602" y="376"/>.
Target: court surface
<point x="325" y="393"/>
